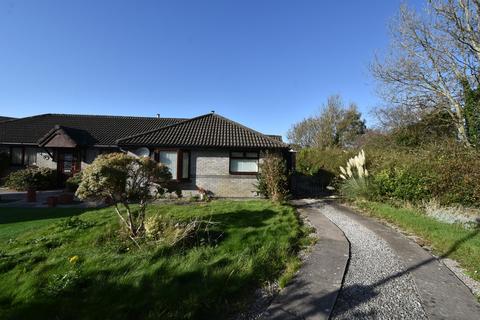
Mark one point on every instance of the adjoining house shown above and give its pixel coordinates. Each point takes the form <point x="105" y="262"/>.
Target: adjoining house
<point x="209" y="151"/>
<point x="2" y="118"/>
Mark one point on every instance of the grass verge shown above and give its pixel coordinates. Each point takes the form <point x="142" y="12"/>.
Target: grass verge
<point x="447" y="240"/>
<point x="111" y="278"/>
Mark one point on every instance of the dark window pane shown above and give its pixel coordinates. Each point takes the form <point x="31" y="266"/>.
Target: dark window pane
<point x="17" y="156"/>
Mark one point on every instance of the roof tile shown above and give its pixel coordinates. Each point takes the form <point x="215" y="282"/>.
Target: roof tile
<point x="210" y="130"/>
<point x="91" y="129"/>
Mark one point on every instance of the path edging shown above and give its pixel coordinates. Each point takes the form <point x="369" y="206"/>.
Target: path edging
<point x="312" y="293"/>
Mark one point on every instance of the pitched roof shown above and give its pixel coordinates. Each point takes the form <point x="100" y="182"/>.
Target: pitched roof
<point x="3" y="118"/>
<point x="210" y="130"/>
<point x="86" y="129"/>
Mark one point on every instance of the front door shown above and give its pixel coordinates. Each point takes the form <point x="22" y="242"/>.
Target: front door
<point x="68" y="163"/>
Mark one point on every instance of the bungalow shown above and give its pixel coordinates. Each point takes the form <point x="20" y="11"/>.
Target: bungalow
<point x="209" y="151"/>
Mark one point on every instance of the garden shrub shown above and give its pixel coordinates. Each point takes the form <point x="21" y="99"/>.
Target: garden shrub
<point x="458" y="178"/>
<point x="322" y="164"/>
<point x="272" y="177"/>
<point x="32" y="177"/>
<point x="73" y="182"/>
<point x="355" y="178"/>
<point x="310" y="161"/>
<point x="123" y="180"/>
<point x="408" y="183"/>
<point x="443" y="170"/>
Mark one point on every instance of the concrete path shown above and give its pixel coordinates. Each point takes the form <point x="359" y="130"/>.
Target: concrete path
<point x="442" y="294"/>
<point x="313" y="292"/>
<point x="388" y="276"/>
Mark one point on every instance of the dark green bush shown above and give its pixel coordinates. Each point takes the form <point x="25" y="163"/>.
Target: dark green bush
<point x="444" y="171"/>
<point x="32" y="177"/>
<point x="322" y="165"/>
<point x="403" y="183"/>
<point x="458" y="177"/>
<point x="73" y="182"/>
<point x="311" y="161"/>
<point x="432" y="128"/>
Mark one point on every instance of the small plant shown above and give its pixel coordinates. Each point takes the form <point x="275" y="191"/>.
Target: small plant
<point x="171" y="232"/>
<point x="73" y="223"/>
<point x="178" y="192"/>
<point x="272" y="179"/>
<point x="61" y="282"/>
<point x="194" y="198"/>
<point x="355" y="177"/>
<point x="204" y="194"/>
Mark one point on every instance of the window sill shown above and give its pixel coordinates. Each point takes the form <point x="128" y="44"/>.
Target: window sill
<point x="244" y="173"/>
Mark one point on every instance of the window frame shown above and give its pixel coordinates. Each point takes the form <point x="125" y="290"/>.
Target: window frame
<point x="249" y="173"/>
<point x="26" y="155"/>
<point x="180" y="152"/>
<point x="22" y="163"/>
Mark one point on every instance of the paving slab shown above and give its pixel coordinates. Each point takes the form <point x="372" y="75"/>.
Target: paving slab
<point x="313" y="291"/>
<point x="443" y="295"/>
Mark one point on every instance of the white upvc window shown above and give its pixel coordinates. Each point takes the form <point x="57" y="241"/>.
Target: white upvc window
<point x="177" y="161"/>
<point x="243" y="162"/>
<point x="169" y="158"/>
<point x="30" y="156"/>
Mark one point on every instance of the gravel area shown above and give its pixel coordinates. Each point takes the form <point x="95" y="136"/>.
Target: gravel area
<point x="376" y="285"/>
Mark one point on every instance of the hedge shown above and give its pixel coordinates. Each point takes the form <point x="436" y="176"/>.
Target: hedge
<point x="32" y="177"/>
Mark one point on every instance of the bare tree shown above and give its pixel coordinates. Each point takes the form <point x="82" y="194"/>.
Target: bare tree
<point x="304" y="133"/>
<point x="393" y="117"/>
<point x="335" y="125"/>
<point x="434" y="61"/>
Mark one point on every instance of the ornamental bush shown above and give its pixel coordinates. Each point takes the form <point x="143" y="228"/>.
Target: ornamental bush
<point x="32" y="177"/>
<point x="130" y="183"/>
<point x="355" y="177"/>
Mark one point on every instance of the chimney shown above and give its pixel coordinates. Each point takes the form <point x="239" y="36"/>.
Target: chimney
<point x="158" y="115"/>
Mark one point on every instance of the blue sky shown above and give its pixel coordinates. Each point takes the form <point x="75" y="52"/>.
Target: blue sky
<point x="266" y="64"/>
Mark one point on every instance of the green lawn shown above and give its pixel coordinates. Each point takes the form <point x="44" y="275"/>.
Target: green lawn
<point x="113" y="279"/>
<point x="449" y="240"/>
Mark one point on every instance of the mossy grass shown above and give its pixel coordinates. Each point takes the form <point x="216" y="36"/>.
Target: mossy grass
<point x="75" y="264"/>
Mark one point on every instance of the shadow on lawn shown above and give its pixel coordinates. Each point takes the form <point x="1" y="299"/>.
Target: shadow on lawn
<point x="209" y="290"/>
<point x="191" y="295"/>
<point x="13" y="215"/>
<point x="244" y="218"/>
<point x="221" y="230"/>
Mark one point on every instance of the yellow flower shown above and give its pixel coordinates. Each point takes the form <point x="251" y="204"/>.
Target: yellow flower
<point x="73" y="259"/>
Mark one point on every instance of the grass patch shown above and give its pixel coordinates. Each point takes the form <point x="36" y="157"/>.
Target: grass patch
<point x="449" y="240"/>
<point x="112" y="278"/>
